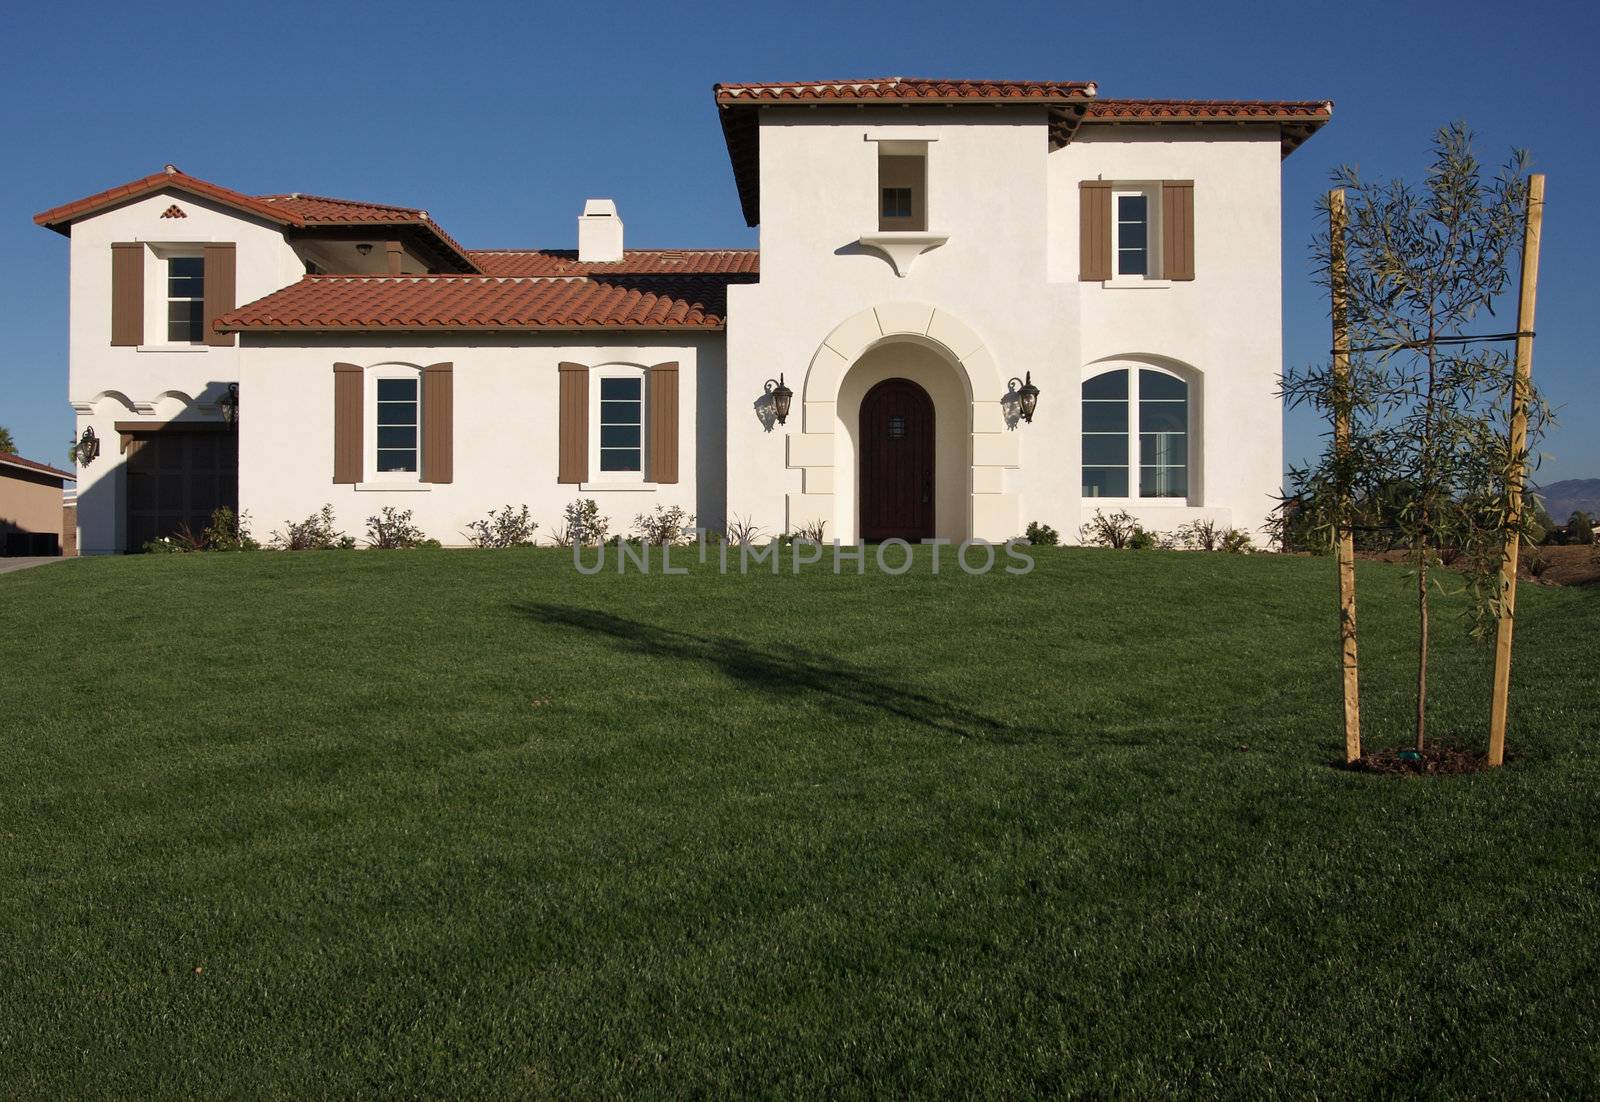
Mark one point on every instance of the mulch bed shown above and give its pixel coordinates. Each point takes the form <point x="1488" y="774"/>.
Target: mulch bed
<point x="1440" y="761"/>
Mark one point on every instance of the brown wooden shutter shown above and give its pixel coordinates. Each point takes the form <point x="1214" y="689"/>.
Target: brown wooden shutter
<point x="1177" y="229"/>
<point x="661" y="397"/>
<point x="221" y="270"/>
<point x="438" y="423"/>
<point x="127" y="293"/>
<point x="573" y="433"/>
<point x="348" y="422"/>
<point x="1094" y="230"/>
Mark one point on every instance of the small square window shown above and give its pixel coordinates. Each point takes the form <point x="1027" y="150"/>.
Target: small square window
<point x="897" y="202"/>
<point x="897" y="428"/>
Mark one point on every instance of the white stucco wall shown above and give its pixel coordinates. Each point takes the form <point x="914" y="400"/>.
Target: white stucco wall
<point x="1009" y="273"/>
<point x="505" y="430"/>
<point x="154" y="382"/>
<point x="1225" y="326"/>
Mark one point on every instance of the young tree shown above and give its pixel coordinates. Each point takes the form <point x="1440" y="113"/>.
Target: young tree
<point x="1580" y="527"/>
<point x="1427" y="403"/>
<point x="7" y="444"/>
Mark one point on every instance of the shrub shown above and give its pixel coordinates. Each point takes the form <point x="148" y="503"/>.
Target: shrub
<point x="506" y="528"/>
<point x="582" y="525"/>
<point x="1042" y="535"/>
<point x="1536" y="562"/>
<point x="1114" y="531"/>
<point x="665" y="525"/>
<point x="1199" y="535"/>
<point x="164" y="545"/>
<point x="1580" y="528"/>
<point x="811" y="532"/>
<point x="742" y="531"/>
<point x="1141" y="540"/>
<point x="1236" y="541"/>
<point x="392" y="530"/>
<point x="316" y="533"/>
<point x="228" y="532"/>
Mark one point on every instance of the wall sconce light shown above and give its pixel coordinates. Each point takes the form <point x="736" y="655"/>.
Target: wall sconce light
<point x="1028" y="395"/>
<point x="230" y="407"/>
<point x="87" y="449"/>
<point x="364" y="248"/>
<point x="781" y="397"/>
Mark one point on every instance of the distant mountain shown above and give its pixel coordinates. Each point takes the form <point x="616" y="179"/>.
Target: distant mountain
<point x="1562" y="499"/>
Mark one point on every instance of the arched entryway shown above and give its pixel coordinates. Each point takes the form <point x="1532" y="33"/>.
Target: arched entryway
<point x="895" y="447"/>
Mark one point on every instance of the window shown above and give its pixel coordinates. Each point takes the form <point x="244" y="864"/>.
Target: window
<point x="1131" y="233"/>
<point x="622" y="424"/>
<point x="399" y="421"/>
<point x="902" y="185"/>
<point x="186" y="294"/>
<point x="1161" y="400"/>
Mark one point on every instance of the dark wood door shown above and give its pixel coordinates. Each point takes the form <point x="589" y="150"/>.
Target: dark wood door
<point x="176" y="478"/>
<point x="896" y="449"/>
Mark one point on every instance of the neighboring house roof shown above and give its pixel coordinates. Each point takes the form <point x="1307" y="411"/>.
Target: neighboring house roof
<point x="293" y="211"/>
<point x="471" y="302"/>
<point x="562" y="262"/>
<point x="7" y="459"/>
<point x="1069" y="105"/>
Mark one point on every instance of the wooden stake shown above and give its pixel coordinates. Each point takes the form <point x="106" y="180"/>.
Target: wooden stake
<point x="1517" y="469"/>
<point x="1345" y="538"/>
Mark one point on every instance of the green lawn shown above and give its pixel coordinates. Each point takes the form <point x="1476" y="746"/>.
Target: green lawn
<point x="468" y="824"/>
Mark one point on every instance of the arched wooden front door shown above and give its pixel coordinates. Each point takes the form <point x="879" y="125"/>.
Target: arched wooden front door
<point x="896" y="468"/>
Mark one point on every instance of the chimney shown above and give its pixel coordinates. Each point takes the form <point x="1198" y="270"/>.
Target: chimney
<point x="599" y="232"/>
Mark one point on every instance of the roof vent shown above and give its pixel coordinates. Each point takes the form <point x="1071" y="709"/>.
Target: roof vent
<point x="599" y="232"/>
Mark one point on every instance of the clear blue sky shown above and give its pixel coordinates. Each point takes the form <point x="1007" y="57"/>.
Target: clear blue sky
<point x="501" y="118"/>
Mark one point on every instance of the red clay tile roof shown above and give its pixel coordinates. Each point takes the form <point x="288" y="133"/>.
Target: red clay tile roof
<point x="1297" y="119"/>
<point x="60" y="218"/>
<point x="295" y="211"/>
<point x="473" y="302"/>
<point x="10" y="460"/>
<point x="342" y="212"/>
<point x="900" y="88"/>
<point x="1068" y="104"/>
<point x="565" y="262"/>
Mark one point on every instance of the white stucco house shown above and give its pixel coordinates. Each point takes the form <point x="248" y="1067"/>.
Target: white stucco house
<point x="926" y="246"/>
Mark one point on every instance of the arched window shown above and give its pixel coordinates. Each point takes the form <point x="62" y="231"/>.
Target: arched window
<point x="1159" y="435"/>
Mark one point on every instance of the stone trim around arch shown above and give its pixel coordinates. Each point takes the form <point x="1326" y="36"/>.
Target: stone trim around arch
<point x="992" y="510"/>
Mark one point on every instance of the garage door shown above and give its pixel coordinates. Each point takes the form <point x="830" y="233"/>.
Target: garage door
<point x="176" y="479"/>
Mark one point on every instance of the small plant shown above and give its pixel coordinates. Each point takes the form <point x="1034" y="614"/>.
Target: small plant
<point x="582" y="525"/>
<point x="392" y="530"/>
<point x="810" y="532"/>
<point x="163" y="545"/>
<point x="1042" y="535"/>
<point x="1536" y="562"/>
<point x="1115" y="531"/>
<point x="1199" y="535"/>
<point x="1143" y="540"/>
<point x="1236" y="541"/>
<point x="668" y="524"/>
<point x="229" y="532"/>
<point x="742" y="531"/>
<point x="505" y="528"/>
<point x="316" y="533"/>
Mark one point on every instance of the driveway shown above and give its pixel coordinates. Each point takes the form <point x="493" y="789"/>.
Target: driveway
<point x="22" y="562"/>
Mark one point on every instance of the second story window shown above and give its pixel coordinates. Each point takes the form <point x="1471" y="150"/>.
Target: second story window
<point x="1131" y="233"/>
<point x="186" y="294"/>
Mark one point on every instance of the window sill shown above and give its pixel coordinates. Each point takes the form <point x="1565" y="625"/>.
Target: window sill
<point x="172" y="348"/>
<point x="616" y="487"/>
<point x="1133" y="282"/>
<point x="393" y="487"/>
<point x="902" y="247"/>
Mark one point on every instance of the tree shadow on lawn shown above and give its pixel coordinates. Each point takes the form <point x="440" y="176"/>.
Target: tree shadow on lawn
<point x="794" y="670"/>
